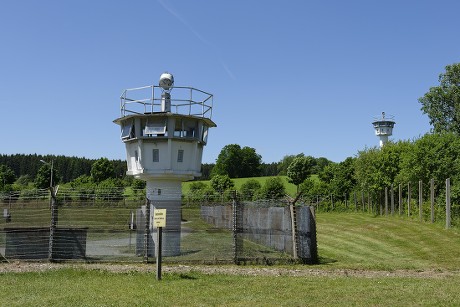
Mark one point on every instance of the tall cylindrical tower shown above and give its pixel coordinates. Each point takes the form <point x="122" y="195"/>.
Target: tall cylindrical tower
<point x="164" y="129"/>
<point x="383" y="128"/>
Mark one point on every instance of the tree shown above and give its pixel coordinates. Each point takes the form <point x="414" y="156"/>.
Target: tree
<point x="285" y="162"/>
<point x="343" y="180"/>
<point x="250" y="163"/>
<point x="110" y="189"/>
<point x="237" y="162"/>
<point x="377" y="168"/>
<point x="273" y="188"/>
<point x="221" y="183"/>
<point x="434" y="156"/>
<point x="43" y="178"/>
<point x="442" y="103"/>
<point x="138" y="184"/>
<point x="206" y="169"/>
<point x="101" y="170"/>
<point x="299" y="170"/>
<point x="320" y="164"/>
<point x="7" y="176"/>
<point x="196" y="186"/>
<point x="228" y="161"/>
<point x="250" y="188"/>
<point x="85" y="186"/>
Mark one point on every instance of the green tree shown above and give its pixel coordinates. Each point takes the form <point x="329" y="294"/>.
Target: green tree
<point x="377" y="168"/>
<point x="343" y="180"/>
<point x="221" y="183"/>
<point x="197" y="186"/>
<point x="299" y="170"/>
<point x="7" y="176"/>
<point x="228" y="161"/>
<point x="250" y="188"/>
<point x="273" y="188"/>
<point x="110" y="189"/>
<point x="250" y="163"/>
<point x="101" y="170"/>
<point x="320" y="164"/>
<point x="43" y="178"/>
<point x="237" y="162"/>
<point x="434" y="156"/>
<point x="138" y="184"/>
<point x="312" y="188"/>
<point x="442" y="103"/>
<point x="285" y="162"/>
<point x="85" y="186"/>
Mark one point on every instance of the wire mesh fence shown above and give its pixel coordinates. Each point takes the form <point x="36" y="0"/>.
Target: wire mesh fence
<point x="426" y="201"/>
<point x="94" y="227"/>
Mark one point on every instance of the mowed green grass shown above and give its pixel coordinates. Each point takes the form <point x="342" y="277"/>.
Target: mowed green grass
<point x="361" y="241"/>
<point x="352" y="242"/>
<point x="99" y="288"/>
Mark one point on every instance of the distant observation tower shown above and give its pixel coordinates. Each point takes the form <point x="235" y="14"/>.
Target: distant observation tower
<point x="384" y="128"/>
<point x="164" y="136"/>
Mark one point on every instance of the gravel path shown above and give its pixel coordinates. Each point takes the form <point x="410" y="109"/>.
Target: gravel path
<point x="230" y="270"/>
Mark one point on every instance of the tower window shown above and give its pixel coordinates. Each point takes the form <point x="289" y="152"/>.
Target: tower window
<point x="127" y="132"/>
<point x="205" y="134"/>
<point x="155" y="128"/>
<point x="156" y="155"/>
<point x="180" y="155"/>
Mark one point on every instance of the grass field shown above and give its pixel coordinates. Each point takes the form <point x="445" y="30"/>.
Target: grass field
<point x="365" y="261"/>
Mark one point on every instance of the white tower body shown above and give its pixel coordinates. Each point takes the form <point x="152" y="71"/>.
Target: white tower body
<point x="164" y="135"/>
<point x="383" y="128"/>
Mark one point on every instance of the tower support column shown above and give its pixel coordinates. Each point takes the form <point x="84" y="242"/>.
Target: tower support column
<point x="166" y="194"/>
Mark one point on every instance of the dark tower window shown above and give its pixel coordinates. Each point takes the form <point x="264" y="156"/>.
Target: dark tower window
<point x="180" y="155"/>
<point x="156" y="155"/>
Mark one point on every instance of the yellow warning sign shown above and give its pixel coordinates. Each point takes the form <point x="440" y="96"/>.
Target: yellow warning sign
<point x="159" y="218"/>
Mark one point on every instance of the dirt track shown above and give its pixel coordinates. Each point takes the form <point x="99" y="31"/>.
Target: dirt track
<point x="230" y="269"/>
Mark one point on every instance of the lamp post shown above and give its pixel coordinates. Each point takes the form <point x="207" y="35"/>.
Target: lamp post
<point x="54" y="213"/>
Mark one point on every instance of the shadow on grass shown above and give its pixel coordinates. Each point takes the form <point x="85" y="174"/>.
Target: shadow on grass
<point x="324" y="260"/>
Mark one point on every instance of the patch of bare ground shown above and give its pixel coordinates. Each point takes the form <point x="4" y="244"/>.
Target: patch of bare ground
<point x="19" y="267"/>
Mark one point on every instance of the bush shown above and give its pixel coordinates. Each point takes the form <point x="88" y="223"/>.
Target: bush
<point x="249" y="189"/>
<point x="273" y="189"/>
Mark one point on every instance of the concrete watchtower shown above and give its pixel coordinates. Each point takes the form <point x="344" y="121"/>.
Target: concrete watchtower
<point x="164" y="139"/>
<point x="384" y="128"/>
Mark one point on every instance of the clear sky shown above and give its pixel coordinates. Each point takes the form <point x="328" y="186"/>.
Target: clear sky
<point x="287" y="76"/>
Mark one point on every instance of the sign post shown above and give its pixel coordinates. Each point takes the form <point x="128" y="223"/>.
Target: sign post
<point x="159" y="221"/>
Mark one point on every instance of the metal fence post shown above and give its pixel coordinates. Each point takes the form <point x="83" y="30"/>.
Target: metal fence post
<point x="356" y="201"/>
<point x="392" y="200"/>
<point x="420" y="200"/>
<point x="432" y="199"/>
<point x="408" y="198"/>
<point x="146" y="230"/>
<point x="234" y="228"/>
<point x="54" y="220"/>
<point x="369" y="203"/>
<point x="294" y="231"/>
<point x="386" y="200"/>
<point x="447" y="203"/>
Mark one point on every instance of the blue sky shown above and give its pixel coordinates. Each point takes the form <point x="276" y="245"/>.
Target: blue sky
<point x="287" y="76"/>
